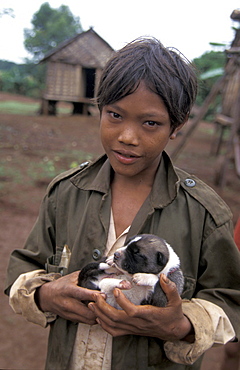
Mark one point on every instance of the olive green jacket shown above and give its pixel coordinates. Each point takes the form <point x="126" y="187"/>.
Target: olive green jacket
<point x="180" y="208"/>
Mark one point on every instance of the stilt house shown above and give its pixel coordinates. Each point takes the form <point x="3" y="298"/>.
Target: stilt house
<point x="73" y="71"/>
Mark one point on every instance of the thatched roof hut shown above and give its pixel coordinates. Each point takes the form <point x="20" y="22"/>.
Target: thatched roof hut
<point x="73" y="71"/>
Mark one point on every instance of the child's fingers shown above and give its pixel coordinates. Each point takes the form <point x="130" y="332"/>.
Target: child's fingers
<point x="170" y="289"/>
<point x="131" y="309"/>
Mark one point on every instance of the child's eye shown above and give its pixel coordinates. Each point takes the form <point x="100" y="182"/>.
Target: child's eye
<point x="114" y="114"/>
<point x="151" y="123"/>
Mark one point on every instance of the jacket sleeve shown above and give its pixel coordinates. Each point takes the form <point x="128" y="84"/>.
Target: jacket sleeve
<point x="219" y="273"/>
<point x="214" y="310"/>
<point x="40" y="245"/>
<point x="44" y="242"/>
<point x="213" y="328"/>
<point x="22" y="294"/>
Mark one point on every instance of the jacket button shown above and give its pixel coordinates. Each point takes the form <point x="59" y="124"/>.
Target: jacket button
<point x="96" y="254"/>
<point x="84" y="164"/>
<point x="190" y="183"/>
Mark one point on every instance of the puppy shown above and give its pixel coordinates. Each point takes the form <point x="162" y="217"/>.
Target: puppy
<point x="135" y="268"/>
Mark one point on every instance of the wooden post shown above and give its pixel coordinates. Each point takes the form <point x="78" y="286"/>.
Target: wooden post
<point x="233" y="145"/>
<point x="203" y="110"/>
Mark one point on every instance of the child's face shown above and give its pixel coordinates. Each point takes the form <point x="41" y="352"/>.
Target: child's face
<point x="134" y="132"/>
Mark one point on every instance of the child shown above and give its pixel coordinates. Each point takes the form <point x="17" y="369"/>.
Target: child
<point x="145" y="95"/>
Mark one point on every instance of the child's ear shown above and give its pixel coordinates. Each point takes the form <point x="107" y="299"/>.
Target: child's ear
<point x="175" y="132"/>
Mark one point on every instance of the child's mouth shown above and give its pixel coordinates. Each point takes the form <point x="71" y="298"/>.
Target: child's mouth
<point x="125" y="157"/>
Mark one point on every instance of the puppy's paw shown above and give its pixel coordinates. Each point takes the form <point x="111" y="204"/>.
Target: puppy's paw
<point x="103" y="266"/>
<point x="109" y="270"/>
<point x="145" y="279"/>
<point x="139" y="279"/>
<point x="125" y="284"/>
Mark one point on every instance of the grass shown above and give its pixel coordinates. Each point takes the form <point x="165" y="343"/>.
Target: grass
<point x="44" y="168"/>
<point x="49" y="167"/>
<point x="24" y="108"/>
<point x="9" y="175"/>
<point x="13" y="107"/>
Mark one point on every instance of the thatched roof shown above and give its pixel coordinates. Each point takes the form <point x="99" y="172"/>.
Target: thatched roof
<point x="87" y="49"/>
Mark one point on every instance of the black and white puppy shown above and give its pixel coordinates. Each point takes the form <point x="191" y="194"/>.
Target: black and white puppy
<point x="135" y="268"/>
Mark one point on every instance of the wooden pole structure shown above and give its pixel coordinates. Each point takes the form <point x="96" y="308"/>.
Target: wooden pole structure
<point x="233" y="147"/>
<point x="203" y="110"/>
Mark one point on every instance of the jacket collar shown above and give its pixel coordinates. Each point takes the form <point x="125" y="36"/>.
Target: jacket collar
<point x="94" y="177"/>
<point x="97" y="177"/>
<point x="166" y="184"/>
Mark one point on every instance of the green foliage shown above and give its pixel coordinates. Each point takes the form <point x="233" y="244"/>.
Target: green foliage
<point x="209" y="64"/>
<point x="5" y="65"/>
<point x="37" y="72"/>
<point x="50" y="28"/>
<point x="210" y="60"/>
<point x="21" y="79"/>
<point x="12" y="81"/>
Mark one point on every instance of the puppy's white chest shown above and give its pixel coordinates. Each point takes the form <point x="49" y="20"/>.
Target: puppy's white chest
<point x="136" y="290"/>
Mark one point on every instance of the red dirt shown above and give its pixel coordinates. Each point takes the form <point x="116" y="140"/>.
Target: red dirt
<point x="26" y="142"/>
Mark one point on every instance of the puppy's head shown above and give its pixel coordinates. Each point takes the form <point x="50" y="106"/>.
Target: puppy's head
<point x="144" y="253"/>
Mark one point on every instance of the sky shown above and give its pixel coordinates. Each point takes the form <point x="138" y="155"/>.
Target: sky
<point x="188" y="25"/>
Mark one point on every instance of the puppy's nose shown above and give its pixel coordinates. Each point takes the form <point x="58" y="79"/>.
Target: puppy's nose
<point x="116" y="256"/>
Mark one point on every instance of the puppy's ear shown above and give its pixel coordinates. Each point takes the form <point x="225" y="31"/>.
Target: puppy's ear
<point x="161" y="259"/>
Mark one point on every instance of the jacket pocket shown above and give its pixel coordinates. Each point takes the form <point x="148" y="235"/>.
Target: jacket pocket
<point x="189" y="287"/>
<point x="54" y="263"/>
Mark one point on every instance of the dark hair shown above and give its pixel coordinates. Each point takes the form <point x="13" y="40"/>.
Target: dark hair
<point x="164" y="71"/>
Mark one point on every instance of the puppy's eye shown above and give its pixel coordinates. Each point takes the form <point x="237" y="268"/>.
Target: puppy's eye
<point x="161" y="259"/>
<point x="135" y="249"/>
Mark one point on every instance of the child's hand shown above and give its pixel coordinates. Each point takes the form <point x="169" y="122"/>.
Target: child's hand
<point x="166" y="323"/>
<point x="64" y="298"/>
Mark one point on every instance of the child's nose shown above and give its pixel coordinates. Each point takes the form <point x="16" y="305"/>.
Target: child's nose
<point x="129" y="135"/>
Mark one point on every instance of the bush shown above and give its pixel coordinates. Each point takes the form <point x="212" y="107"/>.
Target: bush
<point x="25" y="79"/>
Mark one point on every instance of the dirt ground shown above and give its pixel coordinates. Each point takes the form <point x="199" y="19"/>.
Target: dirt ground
<point x="32" y="150"/>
